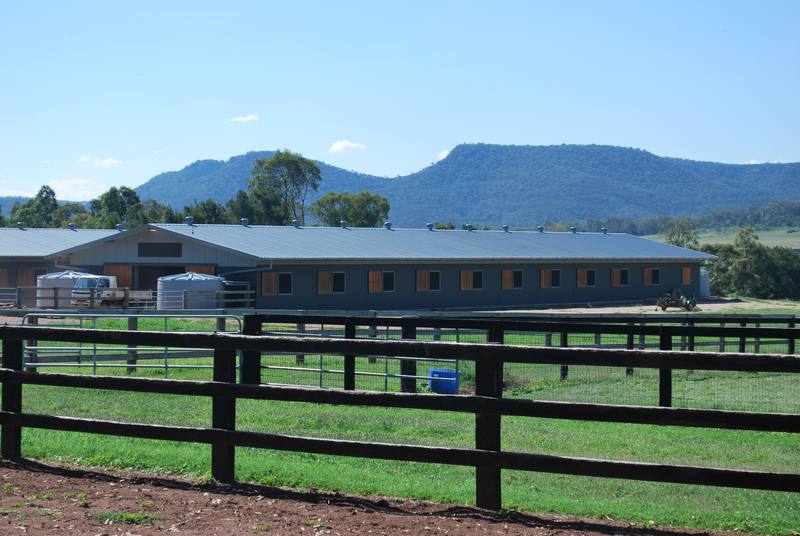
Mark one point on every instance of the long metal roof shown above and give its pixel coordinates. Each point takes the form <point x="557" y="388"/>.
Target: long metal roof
<point x="35" y="242"/>
<point x="362" y="244"/>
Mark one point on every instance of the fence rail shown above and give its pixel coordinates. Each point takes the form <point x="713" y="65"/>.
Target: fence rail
<point x="487" y="404"/>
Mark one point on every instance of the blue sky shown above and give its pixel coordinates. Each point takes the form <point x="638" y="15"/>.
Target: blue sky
<point x="94" y="94"/>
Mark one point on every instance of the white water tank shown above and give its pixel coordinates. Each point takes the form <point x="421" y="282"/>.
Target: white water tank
<point x="63" y="281"/>
<point x="705" y="283"/>
<point x="190" y="291"/>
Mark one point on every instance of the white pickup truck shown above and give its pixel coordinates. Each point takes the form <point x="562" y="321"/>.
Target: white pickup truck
<point x="105" y="292"/>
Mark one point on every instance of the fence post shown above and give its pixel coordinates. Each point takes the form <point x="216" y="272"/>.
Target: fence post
<point x="742" y="341"/>
<point x="11" y="440"/>
<point x="372" y="332"/>
<point x="629" y="346"/>
<point x="250" y="361"/>
<point x="665" y="375"/>
<point x="33" y="354"/>
<point x="126" y="298"/>
<point x="301" y="358"/>
<point x="757" y="341"/>
<point x="792" y="340"/>
<point x="722" y="339"/>
<point x="349" y="360"/>
<point x="408" y="367"/>
<point x="92" y="297"/>
<point x="56" y="303"/>
<point x="489" y="382"/>
<point x="223" y="416"/>
<point x="133" y="325"/>
<point x="564" y="343"/>
<point x="691" y="336"/>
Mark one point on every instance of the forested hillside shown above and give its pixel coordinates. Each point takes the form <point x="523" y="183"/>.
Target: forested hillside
<point x="522" y="186"/>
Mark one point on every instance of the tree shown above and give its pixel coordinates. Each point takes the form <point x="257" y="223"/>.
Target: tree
<point x="681" y="233"/>
<point x="287" y="177"/>
<point x="38" y="211"/>
<point x="117" y="205"/>
<point x="363" y="209"/>
<point x="208" y="211"/>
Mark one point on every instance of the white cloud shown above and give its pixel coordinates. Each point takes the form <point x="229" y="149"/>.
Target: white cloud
<point x="441" y="155"/>
<point x="244" y="118"/>
<point x="98" y="162"/>
<point x="751" y="162"/>
<point x="346" y="146"/>
<point x="76" y="189"/>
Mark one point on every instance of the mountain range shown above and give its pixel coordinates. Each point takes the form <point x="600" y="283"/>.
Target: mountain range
<point x="518" y="185"/>
<point x="522" y="186"/>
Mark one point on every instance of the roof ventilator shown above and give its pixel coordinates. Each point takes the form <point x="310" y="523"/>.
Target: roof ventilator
<point x="120" y="227"/>
<point x="189" y="220"/>
<point x="343" y="223"/>
<point x="604" y="230"/>
<point x="296" y="223"/>
<point x="573" y="230"/>
<point x="21" y="225"/>
<point x="72" y="226"/>
<point x="429" y="226"/>
<point x="245" y="221"/>
<point x="505" y="228"/>
<point x="388" y="225"/>
<point x="468" y="227"/>
<point x="540" y="228"/>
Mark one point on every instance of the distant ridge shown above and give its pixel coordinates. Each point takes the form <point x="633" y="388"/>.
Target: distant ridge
<point x="520" y="185"/>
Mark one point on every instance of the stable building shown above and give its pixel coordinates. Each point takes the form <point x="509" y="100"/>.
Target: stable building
<point x="299" y="267"/>
<point x="26" y="253"/>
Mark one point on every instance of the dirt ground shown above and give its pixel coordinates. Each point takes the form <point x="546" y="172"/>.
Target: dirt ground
<point x="43" y="499"/>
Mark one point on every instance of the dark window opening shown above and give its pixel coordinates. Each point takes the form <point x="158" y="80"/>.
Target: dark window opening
<point x="623" y="276"/>
<point x="555" y="278"/>
<point x="477" y="280"/>
<point x="337" y="282"/>
<point x="160" y="249"/>
<point x="590" y="278"/>
<point x="148" y="275"/>
<point x="388" y="281"/>
<point x="434" y="281"/>
<point x="656" y="277"/>
<point x="517" y="278"/>
<point x="285" y="283"/>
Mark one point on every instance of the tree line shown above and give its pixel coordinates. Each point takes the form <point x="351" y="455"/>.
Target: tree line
<point x="746" y="267"/>
<point x="276" y="195"/>
<point x="784" y="214"/>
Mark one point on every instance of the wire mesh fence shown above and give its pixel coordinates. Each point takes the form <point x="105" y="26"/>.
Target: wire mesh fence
<point x="774" y="392"/>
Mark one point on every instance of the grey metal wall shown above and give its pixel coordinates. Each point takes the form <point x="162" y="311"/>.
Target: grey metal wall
<point x="37" y="266"/>
<point x="405" y="296"/>
<point x="125" y="251"/>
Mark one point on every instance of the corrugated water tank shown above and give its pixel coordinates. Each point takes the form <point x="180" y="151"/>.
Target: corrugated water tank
<point x="64" y="281"/>
<point x="189" y="290"/>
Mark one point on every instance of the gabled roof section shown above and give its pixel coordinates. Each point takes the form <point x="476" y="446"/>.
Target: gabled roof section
<point x="36" y="242"/>
<point x="285" y="243"/>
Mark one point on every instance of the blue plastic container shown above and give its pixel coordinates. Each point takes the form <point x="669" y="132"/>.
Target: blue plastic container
<point x="448" y="384"/>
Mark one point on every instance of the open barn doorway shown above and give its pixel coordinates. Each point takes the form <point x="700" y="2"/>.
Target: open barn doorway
<point x="148" y="275"/>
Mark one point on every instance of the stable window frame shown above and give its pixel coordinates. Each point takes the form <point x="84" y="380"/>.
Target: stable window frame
<point x="291" y="283"/>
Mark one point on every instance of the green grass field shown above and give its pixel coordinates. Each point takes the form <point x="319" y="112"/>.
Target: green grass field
<point x="640" y="502"/>
<point x="781" y="236"/>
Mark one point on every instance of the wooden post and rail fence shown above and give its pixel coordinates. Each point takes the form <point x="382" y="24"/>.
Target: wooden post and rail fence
<point x="487" y="404"/>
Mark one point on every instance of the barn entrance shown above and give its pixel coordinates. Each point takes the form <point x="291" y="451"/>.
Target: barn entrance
<point x="148" y="275"/>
